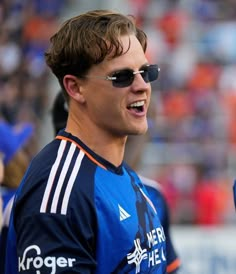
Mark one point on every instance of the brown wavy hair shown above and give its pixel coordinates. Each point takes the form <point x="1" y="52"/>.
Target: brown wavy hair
<point x="87" y="39"/>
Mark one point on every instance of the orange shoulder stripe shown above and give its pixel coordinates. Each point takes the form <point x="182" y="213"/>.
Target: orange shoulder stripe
<point x="85" y="152"/>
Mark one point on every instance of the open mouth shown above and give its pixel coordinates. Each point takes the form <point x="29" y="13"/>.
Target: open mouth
<point x="137" y="106"/>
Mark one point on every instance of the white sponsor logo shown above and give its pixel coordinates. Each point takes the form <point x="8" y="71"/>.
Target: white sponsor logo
<point x="37" y="262"/>
<point x="137" y="256"/>
<point x="154" y="256"/>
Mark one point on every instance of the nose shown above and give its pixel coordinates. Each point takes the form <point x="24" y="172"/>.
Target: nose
<point x="139" y="84"/>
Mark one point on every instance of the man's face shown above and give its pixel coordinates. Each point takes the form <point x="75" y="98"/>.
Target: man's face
<point x="119" y="111"/>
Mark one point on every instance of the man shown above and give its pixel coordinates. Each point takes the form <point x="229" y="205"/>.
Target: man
<point x="79" y="209"/>
<point x="133" y="152"/>
<point x="134" y="148"/>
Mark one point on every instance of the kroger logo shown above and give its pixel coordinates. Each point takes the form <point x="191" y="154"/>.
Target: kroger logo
<point x="37" y="262"/>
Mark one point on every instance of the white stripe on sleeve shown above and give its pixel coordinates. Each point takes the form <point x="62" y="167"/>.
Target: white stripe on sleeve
<point x="71" y="183"/>
<point x="52" y="176"/>
<point x="62" y="178"/>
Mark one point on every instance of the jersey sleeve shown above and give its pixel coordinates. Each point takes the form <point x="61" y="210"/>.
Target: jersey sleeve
<point x="55" y="238"/>
<point x="54" y="213"/>
<point x="54" y="244"/>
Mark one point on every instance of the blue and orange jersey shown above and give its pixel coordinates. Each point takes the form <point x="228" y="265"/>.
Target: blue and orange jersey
<point x="75" y="212"/>
<point x="157" y="197"/>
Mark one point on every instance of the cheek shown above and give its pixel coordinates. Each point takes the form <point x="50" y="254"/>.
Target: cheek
<point x="106" y="109"/>
<point x="109" y="112"/>
<point x="106" y="99"/>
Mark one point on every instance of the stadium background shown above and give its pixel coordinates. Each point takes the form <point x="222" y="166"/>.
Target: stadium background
<point x="192" y="146"/>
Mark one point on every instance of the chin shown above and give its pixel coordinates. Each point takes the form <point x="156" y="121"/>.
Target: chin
<point x="137" y="128"/>
<point x="139" y="131"/>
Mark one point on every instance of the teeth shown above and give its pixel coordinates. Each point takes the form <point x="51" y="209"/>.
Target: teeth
<point x="137" y="104"/>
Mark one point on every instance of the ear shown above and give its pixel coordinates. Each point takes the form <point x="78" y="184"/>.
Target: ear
<point x="73" y="87"/>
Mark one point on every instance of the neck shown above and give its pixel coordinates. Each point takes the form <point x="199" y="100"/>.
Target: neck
<point x="105" y="145"/>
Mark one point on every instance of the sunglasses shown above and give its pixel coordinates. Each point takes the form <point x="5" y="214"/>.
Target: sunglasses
<point x="124" y="78"/>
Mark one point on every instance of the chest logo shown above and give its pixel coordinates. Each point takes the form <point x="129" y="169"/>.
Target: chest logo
<point x="123" y="213"/>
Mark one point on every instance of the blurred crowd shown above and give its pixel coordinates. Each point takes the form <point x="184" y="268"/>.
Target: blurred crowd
<point x="193" y="112"/>
<point x="26" y="26"/>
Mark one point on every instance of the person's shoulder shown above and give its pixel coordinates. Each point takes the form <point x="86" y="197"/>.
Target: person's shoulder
<point x="155" y="192"/>
<point x="148" y="182"/>
<point x="57" y="179"/>
<point x="57" y="152"/>
<point x="41" y="164"/>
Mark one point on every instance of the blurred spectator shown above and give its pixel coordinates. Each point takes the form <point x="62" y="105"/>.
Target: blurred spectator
<point x="26" y="27"/>
<point x="10" y="54"/>
<point x="13" y="141"/>
<point x="211" y="202"/>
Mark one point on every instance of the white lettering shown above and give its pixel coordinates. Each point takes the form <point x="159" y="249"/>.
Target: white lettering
<point x="160" y="234"/>
<point x="51" y="262"/>
<point x="155" y="253"/>
<point x="70" y="261"/>
<point x="21" y="263"/>
<point x="62" y="262"/>
<point x="151" y="259"/>
<point x="156" y="236"/>
<point x="152" y="238"/>
<point x="37" y="262"/>
<point x="29" y="261"/>
<point x="154" y="258"/>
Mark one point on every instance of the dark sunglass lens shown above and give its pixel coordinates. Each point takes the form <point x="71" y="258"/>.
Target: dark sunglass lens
<point x="153" y="73"/>
<point x="145" y="74"/>
<point x="123" y="79"/>
<point x="150" y="73"/>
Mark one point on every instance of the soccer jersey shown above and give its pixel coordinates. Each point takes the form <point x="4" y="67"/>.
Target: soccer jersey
<point x="159" y="201"/>
<point x="77" y="213"/>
